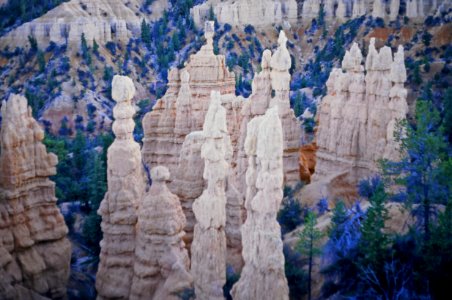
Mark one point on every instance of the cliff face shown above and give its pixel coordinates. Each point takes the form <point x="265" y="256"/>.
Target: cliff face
<point x="268" y="12"/>
<point x="34" y="251"/>
<point x="243" y="12"/>
<point x="357" y="120"/>
<point x="102" y="20"/>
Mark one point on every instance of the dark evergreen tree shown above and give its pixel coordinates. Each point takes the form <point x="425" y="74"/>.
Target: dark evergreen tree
<point x="309" y="245"/>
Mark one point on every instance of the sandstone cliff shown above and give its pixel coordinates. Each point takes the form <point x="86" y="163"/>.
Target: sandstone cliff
<point x="119" y="207"/>
<point x="242" y="12"/>
<point x="269" y="12"/>
<point x="34" y="251"/>
<point x="263" y="275"/>
<point x="357" y="120"/>
<point x="208" y="250"/>
<point x="161" y="260"/>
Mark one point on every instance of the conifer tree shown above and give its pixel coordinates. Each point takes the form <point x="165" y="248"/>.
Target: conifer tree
<point x="309" y="245"/>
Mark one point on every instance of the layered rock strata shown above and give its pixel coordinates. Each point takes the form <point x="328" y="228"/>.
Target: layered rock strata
<point x="34" y="251"/>
<point x="118" y="209"/>
<point x="358" y="117"/>
<point x="184" y="106"/>
<point x="102" y="20"/>
<point x="189" y="182"/>
<point x="161" y="260"/>
<point x="270" y="12"/>
<point x="263" y="274"/>
<point x="243" y="12"/>
<point x="208" y="250"/>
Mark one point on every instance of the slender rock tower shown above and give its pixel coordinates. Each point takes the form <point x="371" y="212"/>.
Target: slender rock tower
<point x="263" y="274"/>
<point x="126" y="186"/>
<point x="209" y="242"/>
<point x="35" y="254"/>
<point x="161" y="260"/>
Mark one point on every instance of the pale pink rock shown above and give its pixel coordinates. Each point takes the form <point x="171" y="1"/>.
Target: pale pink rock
<point x="161" y="260"/>
<point x="34" y="251"/>
<point x="118" y="209"/>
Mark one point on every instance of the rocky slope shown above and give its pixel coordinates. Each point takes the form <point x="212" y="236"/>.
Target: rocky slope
<point x="99" y="20"/>
<point x="34" y="251"/>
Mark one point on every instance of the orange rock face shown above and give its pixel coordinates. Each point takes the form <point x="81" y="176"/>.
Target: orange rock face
<point x="34" y="251"/>
<point x="307" y="161"/>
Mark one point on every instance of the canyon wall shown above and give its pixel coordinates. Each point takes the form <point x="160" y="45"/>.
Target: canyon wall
<point x="263" y="274"/>
<point x="242" y="12"/>
<point x="270" y="12"/>
<point x="357" y="121"/>
<point x="126" y="186"/>
<point x="34" y="251"/>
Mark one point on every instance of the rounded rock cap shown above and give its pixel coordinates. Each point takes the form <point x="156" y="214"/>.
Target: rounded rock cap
<point x="160" y="173"/>
<point x="122" y="88"/>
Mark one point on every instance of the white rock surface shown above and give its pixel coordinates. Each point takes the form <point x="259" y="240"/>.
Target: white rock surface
<point x="208" y="249"/>
<point x="263" y="275"/>
<point x="357" y="119"/>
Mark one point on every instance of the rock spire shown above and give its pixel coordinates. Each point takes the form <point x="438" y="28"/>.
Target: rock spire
<point x="263" y="275"/>
<point x="119" y="207"/>
<point x="208" y="249"/>
<point x="34" y="251"/>
<point x="357" y="119"/>
<point x="161" y="260"/>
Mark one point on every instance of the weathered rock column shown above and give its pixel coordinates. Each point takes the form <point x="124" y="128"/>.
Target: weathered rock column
<point x="34" y="251"/>
<point x="208" y="249"/>
<point x="118" y="209"/>
<point x="263" y="274"/>
<point x="397" y="104"/>
<point x="280" y="80"/>
<point x="161" y="260"/>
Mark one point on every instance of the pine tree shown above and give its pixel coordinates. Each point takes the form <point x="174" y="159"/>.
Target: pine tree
<point x="309" y="245"/>
<point x="41" y="61"/>
<point x="374" y="241"/>
<point x="85" y="50"/>
<point x="95" y="47"/>
<point x="339" y="217"/>
<point x="423" y="148"/>
<point x="145" y="33"/>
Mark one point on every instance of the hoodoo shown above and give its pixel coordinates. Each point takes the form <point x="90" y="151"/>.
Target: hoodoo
<point x="161" y="260"/>
<point x="34" y="251"/>
<point x="208" y="250"/>
<point x="118" y="209"/>
<point x="263" y="274"/>
<point x="357" y="120"/>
